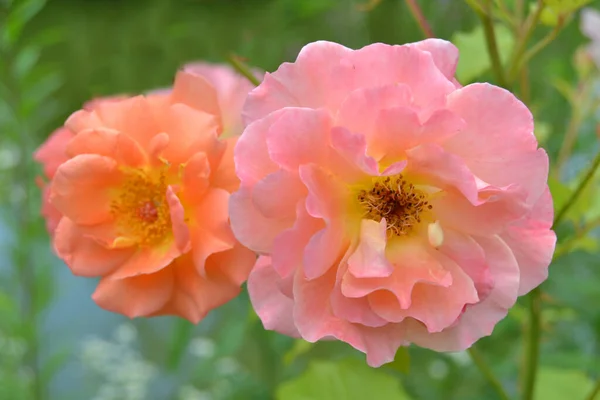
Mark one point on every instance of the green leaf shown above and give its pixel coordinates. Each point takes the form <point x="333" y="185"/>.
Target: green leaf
<point x="542" y="131"/>
<point x="348" y="380"/>
<point x="474" y="59"/>
<point x="401" y="361"/>
<point x="308" y="8"/>
<point x="565" y="88"/>
<point x="8" y="311"/>
<point x="180" y="339"/>
<point x="558" y="384"/>
<point x="585" y="208"/>
<point x="560" y="192"/>
<point x="300" y="347"/>
<point x="25" y="61"/>
<point x="231" y="336"/>
<point x="556" y="9"/>
<point x="54" y="363"/>
<point x="18" y="17"/>
<point x="586" y="243"/>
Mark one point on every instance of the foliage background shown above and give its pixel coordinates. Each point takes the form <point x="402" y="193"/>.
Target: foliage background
<point x="56" y="344"/>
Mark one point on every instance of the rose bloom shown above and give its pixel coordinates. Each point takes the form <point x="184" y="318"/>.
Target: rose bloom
<point x="389" y="204"/>
<point x="141" y="187"/>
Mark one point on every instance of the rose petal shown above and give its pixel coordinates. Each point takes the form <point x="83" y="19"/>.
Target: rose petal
<point x="273" y="307"/>
<point x="478" y="320"/>
<point x="209" y="227"/>
<point x="81" y="189"/>
<point x="245" y="219"/>
<point x="136" y="296"/>
<point x="369" y="260"/>
<point x="444" y="54"/>
<point x="85" y="256"/>
<point x="298" y="137"/>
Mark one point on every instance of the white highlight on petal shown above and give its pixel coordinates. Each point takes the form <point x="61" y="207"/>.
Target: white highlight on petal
<point x="435" y="234"/>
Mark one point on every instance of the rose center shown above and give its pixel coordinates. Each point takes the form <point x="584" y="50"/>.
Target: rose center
<point x="398" y="201"/>
<point x="141" y="209"/>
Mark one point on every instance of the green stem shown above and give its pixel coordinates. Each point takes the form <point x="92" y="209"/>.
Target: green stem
<point x="487" y="372"/>
<point x="519" y="6"/>
<point x="579" y="114"/>
<point x="533" y="344"/>
<point x="182" y="334"/>
<point x="505" y="13"/>
<point x="568" y="244"/>
<point x="492" y="45"/>
<point x="595" y="391"/>
<point x="243" y="69"/>
<point x="25" y="270"/>
<point x="568" y="141"/>
<point x="535" y="307"/>
<point x="539" y="46"/>
<point x="578" y="190"/>
<point x="524" y="36"/>
<point x="419" y="17"/>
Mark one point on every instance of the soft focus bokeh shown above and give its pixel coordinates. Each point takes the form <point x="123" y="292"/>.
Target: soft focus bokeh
<point x="55" y="343"/>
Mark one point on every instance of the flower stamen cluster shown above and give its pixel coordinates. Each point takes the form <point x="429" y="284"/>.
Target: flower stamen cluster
<point x="141" y="209"/>
<point x="396" y="200"/>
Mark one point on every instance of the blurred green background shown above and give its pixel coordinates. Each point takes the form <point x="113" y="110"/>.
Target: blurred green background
<point x="56" y="344"/>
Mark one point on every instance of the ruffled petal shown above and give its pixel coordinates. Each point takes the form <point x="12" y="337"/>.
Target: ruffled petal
<point x="276" y="195"/>
<point x="209" y="228"/>
<point x="369" y="259"/>
<point x="196" y="92"/>
<point x="109" y="143"/>
<point x="52" y="153"/>
<point x="251" y="154"/>
<point x="444" y="54"/>
<point x="273" y="307"/>
<point x="288" y="247"/>
<point x="245" y="219"/>
<point x="83" y="255"/>
<point x="299" y="136"/>
<point x="137" y="296"/>
<point x="317" y="79"/>
<point x="478" y="320"/>
<point x="81" y="189"/>
<point x="498" y="125"/>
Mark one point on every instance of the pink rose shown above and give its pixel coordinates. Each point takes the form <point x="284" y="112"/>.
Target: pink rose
<point x="389" y="204"/>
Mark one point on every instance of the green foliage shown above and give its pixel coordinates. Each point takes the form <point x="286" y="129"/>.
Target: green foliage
<point x="555" y="10"/>
<point x="20" y="14"/>
<point x="401" y="361"/>
<point x="349" y="380"/>
<point x="300" y="347"/>
<point x="474" y="59"/>
<point x="558" y="384"/>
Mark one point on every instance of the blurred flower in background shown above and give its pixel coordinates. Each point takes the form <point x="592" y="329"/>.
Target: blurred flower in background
<point x="141" y="187"/>
<point x="590" y="26"/>
<point x="122" y="370"/>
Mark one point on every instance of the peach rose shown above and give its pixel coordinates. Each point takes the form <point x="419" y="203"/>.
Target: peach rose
<point x="143" y="196"/>
<point x="231" y="89"/>
<point x="390" y="205"/>
<point x="51" y="154"/>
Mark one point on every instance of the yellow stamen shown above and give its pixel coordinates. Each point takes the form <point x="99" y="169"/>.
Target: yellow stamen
<point x="141" y="209"/>
<point x="398" y="201"/>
